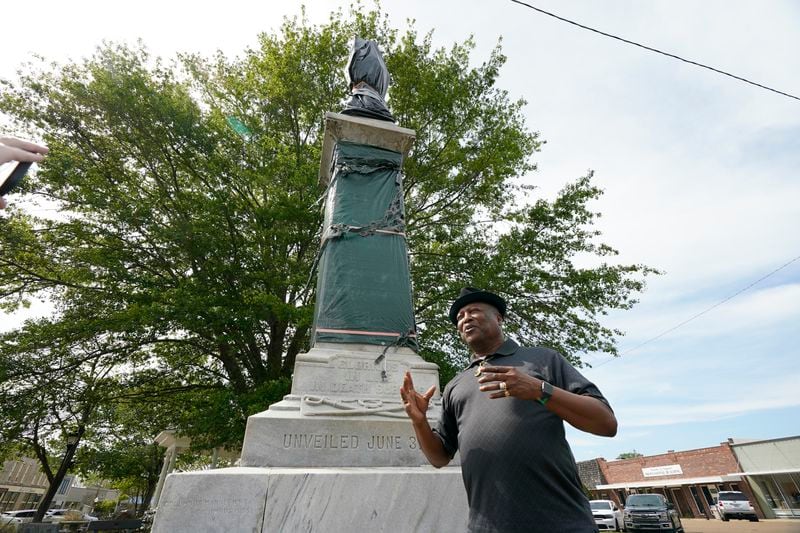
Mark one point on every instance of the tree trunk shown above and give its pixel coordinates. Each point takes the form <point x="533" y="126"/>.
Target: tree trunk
<point x="277" y="334"/>
<point x="58" y="478"/>
<point x="295" y="345"/>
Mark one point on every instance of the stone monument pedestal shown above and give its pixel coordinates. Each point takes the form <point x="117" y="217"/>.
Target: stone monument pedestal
<point x="338" y="454"/>
<point x="344" y="410"/>
<point x="329" y="500"/>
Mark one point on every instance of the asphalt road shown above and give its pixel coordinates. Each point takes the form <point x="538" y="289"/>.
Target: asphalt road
<point x="740" y="526"/>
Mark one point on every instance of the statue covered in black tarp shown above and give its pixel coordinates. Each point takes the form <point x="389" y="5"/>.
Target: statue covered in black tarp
<point x="369" y="81"/>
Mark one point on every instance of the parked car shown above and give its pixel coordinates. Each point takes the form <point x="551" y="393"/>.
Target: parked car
<point x="607" y="515"/>
<point x="734" y="504"/>
<point x="650" y="512"/>
<point x="12" y="519"/>
<point x="56" y="516"/>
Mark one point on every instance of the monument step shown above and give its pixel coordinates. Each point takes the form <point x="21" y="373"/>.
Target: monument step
<point x="330" y="500"/>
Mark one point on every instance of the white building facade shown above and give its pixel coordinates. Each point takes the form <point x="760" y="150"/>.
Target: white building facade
<point x="772" y="468"/>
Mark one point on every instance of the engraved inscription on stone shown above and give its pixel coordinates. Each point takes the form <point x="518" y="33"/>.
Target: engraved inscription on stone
<point x="227" y="504"/>
<point x="357" y="376"/>
<point x="352" y="375"/>
<point x="320" y="441"/>
<point x="372" y="389"/>
<point x="353" y="442"/>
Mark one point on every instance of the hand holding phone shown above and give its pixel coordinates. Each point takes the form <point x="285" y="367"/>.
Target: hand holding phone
<point x="14" y="177"/>
<point x="21" y="154"/>
<point x="12" y="149"/>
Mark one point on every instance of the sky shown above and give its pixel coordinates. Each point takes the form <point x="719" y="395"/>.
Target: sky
<point x="700" y="173"/>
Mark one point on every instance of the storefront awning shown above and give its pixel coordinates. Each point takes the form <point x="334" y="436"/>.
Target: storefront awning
<point x="768" y="472"/>
<point x="672" y="482"/>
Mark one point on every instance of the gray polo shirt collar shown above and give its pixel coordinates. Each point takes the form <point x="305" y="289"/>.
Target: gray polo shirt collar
<point x="509" y="347"/>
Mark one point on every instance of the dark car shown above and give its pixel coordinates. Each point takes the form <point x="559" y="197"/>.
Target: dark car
<point x="651" y="512"/>
<point x="734" y="504"/>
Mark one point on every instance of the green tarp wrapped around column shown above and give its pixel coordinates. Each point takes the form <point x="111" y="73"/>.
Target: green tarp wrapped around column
<point x="363" y="285"/>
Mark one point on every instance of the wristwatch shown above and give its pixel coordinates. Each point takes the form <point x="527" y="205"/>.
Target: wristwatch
<point x="547" y="391"/>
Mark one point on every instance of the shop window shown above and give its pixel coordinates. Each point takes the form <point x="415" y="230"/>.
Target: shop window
<point x="8" y="500"/>
<point x="29" y="500"/>
<point x="697" y="500"/>
<point x="788" y="490"/>
<point x="770" y="493"/>
<point x="796" y="493"/>
<point x="4" y="504"/>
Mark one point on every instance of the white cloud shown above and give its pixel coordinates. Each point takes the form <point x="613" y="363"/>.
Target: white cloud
<point x="777" y="394"/>
<point x="751" y="311"/>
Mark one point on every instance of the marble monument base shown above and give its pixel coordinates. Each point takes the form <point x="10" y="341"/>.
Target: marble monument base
<point x="287" y="438"/>
<point x="328" y="500"/>
<point x="337" y="454"/>
<point x="344" y="410"/>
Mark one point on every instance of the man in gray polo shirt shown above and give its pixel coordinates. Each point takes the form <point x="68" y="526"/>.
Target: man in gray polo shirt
<point x="505" y="414"/>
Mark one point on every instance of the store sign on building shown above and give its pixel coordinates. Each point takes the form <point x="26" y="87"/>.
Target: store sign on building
<point x="666" y="470"/>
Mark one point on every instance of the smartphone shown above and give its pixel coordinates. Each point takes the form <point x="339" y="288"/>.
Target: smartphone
<point x="7" y="183"/>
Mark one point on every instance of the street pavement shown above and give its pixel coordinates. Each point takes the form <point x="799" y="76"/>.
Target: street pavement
<point x="695" y="525"/>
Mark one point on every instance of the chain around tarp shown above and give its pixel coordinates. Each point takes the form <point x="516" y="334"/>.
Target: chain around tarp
<point x="404" y="339"/>
<point x="392" y="223"/>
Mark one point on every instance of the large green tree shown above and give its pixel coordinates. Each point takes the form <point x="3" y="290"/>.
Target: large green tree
<point x="186" y="248"/>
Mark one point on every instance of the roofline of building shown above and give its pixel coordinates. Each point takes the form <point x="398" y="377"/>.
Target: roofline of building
<point x="769" y="472"/>
<point x="672" y="482"/>
<point x="733" y="442"/>
<point x="671" y="452"/>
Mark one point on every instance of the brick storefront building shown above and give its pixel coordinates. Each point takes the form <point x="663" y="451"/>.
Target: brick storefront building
<point x="689" y="479"/>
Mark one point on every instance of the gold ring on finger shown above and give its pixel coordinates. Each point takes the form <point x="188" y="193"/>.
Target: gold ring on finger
<point x="503" y="386"/>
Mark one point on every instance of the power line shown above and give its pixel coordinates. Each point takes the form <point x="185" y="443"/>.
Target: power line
<point x="701" y="313"/>
<point x="656" y="50"/>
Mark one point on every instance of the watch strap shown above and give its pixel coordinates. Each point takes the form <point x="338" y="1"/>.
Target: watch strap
<point x="547" y="392"/>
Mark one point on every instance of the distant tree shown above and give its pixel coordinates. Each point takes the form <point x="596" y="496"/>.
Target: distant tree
<point x="51" y="392"/>
<point x="105" y="508"/>
<point x="629" y="455"/>
<point x="121" y="452"/>
<point x="185" y="249"/>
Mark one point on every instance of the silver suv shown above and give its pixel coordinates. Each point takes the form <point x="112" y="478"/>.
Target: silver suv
<point x="734" y="504"/>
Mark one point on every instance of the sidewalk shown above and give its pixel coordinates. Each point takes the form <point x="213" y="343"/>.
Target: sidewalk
<point x="697" y="525"/>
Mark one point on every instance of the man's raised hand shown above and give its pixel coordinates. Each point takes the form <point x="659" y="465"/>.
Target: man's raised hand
<point x="415" y="404"/>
